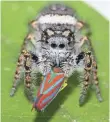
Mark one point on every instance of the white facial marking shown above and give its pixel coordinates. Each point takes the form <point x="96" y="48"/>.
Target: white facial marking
<point x="54" y="19"/>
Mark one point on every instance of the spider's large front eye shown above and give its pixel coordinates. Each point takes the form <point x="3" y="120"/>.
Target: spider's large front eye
<point x="61" y="46"/>
<point x="53" y="45"/>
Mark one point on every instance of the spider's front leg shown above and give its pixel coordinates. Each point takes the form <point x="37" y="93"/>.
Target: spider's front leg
<point x="87" y="73"/>
<point x="90" y="69"/>
<point x="28" y="79"/>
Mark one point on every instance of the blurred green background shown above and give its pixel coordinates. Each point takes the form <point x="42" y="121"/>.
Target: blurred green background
<point x="65" y="108"/>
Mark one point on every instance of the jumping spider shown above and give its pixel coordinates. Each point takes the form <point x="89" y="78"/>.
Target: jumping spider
<point x="55" y="40"/>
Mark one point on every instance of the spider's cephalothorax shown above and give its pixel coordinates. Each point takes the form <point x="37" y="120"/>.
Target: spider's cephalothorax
<point x="56" y="41"/>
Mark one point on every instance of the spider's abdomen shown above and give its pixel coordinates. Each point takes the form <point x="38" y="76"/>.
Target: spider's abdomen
<point x="57" y="14"/>
<point x="58" y="9"/>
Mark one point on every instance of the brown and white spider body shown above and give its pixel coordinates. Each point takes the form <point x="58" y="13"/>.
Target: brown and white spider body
<point x="55" y="40"/>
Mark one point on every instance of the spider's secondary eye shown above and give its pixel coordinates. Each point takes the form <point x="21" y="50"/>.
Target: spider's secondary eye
<point x="81" y="55"/>
<point x="61" y="45"/>
<point x="53" y="45"/>
<point x="46" y="42"/>
<point x="34" y="57"/>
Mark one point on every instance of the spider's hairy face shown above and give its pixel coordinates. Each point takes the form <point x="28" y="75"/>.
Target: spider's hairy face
<point x="57" y="45"/>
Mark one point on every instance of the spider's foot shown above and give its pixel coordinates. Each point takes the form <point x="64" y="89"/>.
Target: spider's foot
<point x="12" y="92"/>
<point x="29" y="96"/>
<point x="31" y="99"/>
<point x="99" y="97"/>
<point x="82" y="99"/>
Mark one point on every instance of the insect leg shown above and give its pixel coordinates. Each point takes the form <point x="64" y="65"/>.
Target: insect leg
<point x="18" y="73"/>
<point x="95" y="81"/>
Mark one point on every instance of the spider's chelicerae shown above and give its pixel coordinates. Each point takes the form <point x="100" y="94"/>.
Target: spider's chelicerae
<point x="55" y="40"/>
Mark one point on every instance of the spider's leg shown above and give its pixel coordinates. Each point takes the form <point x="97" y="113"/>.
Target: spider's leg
<point x="18" y="73"/>
<point x="95" y="80"/>
<point x="85" y="87"/>
<point x="86" y="82"/>
<point x="33" y="24"/>
<point x="28" y="79"/>
<point x="82" y="41"/>
<point x="79" y="25"/>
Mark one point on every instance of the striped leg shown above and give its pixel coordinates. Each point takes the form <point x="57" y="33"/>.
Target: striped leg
<point x="85" y="87"/>
<point x="20" y="67"/>
<point x="18" y="73"/>
<point x="28" y="80"/>
<point x="95" y="81"/>
<point x="86" y="83"/>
